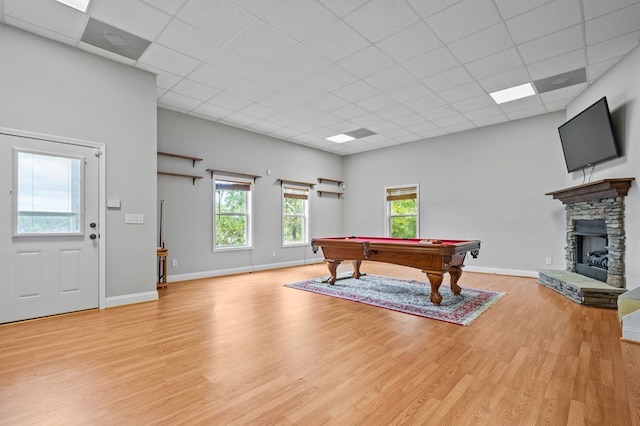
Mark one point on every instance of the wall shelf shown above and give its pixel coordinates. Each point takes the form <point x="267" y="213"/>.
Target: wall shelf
<point x="337" y="182"/>
<point x="192" y="177"/>
<point x="337" y="194"/>
<point x="235" y="174"/>
<point x="295" y="182"/>
<point x="184" y="157"/>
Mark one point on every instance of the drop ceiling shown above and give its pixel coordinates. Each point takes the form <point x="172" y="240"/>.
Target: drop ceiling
<point x="304" y="70"/>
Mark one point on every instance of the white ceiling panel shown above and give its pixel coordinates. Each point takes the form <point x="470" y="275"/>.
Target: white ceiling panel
<point x="132" y="16"/>
<point x="190" y="40"/>
<point x="379" y="19"/>
<point x="547" y="19"/>
<point x="464" y="18"/>
<point x="301" y="70"/>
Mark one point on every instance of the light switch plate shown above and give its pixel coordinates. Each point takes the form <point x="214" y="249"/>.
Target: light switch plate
<point x="113" y="203"/>
<point x="136" y="219"/>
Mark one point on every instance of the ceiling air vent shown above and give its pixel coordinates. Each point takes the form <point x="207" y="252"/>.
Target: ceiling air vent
<point x="114" y="39"/>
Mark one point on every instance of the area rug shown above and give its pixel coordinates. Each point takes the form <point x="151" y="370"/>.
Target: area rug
<point x="408" y="296"/>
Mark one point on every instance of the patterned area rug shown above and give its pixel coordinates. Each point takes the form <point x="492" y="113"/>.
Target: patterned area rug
<point x="408" y="296"/>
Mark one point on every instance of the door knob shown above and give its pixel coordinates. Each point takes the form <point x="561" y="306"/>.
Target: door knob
<point x="93" y="236"/>
<point x="92" y="225"/>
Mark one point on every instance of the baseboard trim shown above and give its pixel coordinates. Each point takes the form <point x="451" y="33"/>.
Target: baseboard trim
<point x="241" y="270"/>
<point x="129" y="299"/>
<point x="498" y="271"/>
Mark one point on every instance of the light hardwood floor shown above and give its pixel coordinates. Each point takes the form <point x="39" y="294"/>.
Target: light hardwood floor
<point x="246" y="350"/>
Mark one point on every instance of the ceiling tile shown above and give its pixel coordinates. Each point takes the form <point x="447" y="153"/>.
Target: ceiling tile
<point x="168" y="60"/>
<point x="487" y="111"/>
<point x="194" y="90"/>
<point x="377" y="102"/>
<point x="414" y="89"/>
<point x="426" y="8"/>
<point x="301" y="61"/>
<point x="212" y="111"/>
<point x="332" y="77"/>
<point x="193" y="41"/>
<point x="259" y="111"/>
<point x="614" y="24"/>
<point x="595" y="8"/>
<point x="329" y="102"/>
<point x="132" y="16"/>
<point x="390" y="78"/>
<point x="460" y="93"/>
<point x="168" y="6"/>
<point x="547" y="19"/>
<point x="235" y="60"/>
<point x="483" y="43"/>
<point x="510" y="8"/>
<point x="356" y="91"/>
<point x="494" y="64"/>
<point x="596" y="70"/>
<point x="337" y="41"/>
<point x="473" y="103"/>
<point x="424" y="103"/>
<point x="448" y="79"/>
<point x="220" y="18"/>
<point x="343" y="7"/>
<point x="379" y="19"/>
<point x="464" y="18"/>
<point x="273" y="77"/>
<point x="503" y="80"/>
<point x="304" y="91"/>
<point x="409" y="43"/>
<point x="213" y="76"/>
<point x="366" y="62"/>
<point x="262" y="40"/>
<point x="613" y="48"/>
<point x="557" y="65"/>
<point x="255" y="7"/>
<point x="50" y="15"/>
<point x="552" y="45"/>
<point x="431" y="63"/>
<point x="179" y="102"/>
<point x="230" y="101"/>
<point x="299" y="18"/>
<point x="249" y="90"/>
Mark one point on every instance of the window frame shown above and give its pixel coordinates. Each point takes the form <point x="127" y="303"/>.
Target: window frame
<point x="388" y="216"/>
<point x="15" y="191"/>
<point x="248" y="213"/>
<point x="306" y="217"/>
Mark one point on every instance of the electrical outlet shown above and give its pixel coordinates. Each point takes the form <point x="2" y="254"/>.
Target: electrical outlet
<point x="274" y="253"/>
<point x="549" y="261"/>
<point x="137" y="219"/>
<point x="174" y="262"/>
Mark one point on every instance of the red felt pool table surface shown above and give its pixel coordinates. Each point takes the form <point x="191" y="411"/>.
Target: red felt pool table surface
<point x="433" y="256"/>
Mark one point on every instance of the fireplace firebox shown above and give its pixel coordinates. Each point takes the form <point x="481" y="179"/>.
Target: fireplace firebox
<point x="591" y="253"/>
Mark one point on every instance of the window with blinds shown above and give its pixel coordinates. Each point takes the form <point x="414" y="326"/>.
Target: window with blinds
<point x="232" y="213"/>
<point x="295" y="215"/>
<point x="402" y="211"/>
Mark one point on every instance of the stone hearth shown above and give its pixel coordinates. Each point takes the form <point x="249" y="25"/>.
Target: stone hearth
<point x="602" y="200"/>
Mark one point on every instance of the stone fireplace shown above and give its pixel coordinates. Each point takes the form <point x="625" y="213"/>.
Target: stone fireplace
<point x="595" y="243"/>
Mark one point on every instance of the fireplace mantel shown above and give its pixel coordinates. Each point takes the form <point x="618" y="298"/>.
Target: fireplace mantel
<point x="605" y="188"/>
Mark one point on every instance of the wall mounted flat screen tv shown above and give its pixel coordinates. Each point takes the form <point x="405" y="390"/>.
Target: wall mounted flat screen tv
<point x="588" y="138"/>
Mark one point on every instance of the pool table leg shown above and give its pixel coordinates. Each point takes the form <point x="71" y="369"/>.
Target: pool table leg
<point x="333" y="269"/>
<point x="455" y="272"/>
<point x="356" y="269"/>
<point x="435" y="280"/>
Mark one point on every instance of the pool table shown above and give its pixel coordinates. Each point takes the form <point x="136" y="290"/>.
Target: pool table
<point x="434" y="257"/>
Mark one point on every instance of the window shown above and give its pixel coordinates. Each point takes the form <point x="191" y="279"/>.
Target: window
<point x="47" y="194"/>
<point x="232" y="215"/>
<point x="295" y="216"/>
<point x="402" y="211"/>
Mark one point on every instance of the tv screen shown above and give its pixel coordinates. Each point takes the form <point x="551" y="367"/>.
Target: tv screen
<point x="588" y="139"/>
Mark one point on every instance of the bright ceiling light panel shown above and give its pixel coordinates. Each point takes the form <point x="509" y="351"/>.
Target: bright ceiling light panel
<point x="513" y="93"/>
<point x="341" y="138"/>
<point x="81" y="5"/>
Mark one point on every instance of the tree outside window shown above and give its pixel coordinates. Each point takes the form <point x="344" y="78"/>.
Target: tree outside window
<point x="295" y="213"/>
<point x="232" y="213"/>
<point x="402" y="212"/>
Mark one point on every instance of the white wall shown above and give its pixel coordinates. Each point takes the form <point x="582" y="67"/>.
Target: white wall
<point x="188" y="208"/>
<point x="54" y="89"/>
<point x="486" y="184"/>
<point x="621" y="86"/>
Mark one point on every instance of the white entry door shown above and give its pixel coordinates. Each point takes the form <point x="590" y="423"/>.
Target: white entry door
<point x="48" y="227"/>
